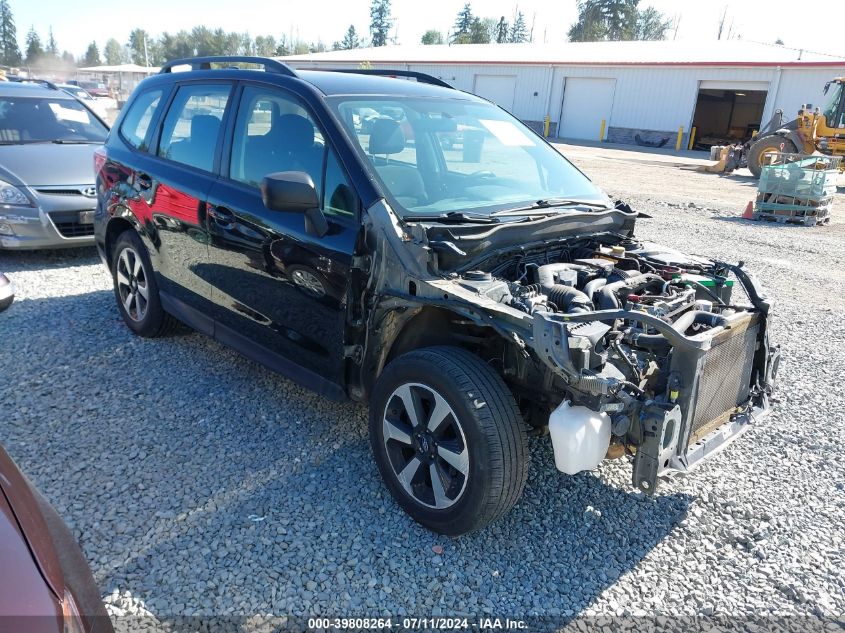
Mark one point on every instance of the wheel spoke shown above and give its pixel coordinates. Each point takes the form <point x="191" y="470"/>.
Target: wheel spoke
<point x="124" y="259"/>
<point x="136" y="270"/>
<point x="412" y="404"/>
<point x="459" y="460"/>
<point x="440" y="498"/>
<point x="440" y="413"/>
<point x="122" y="279"/>
<point x="396" y="430"/>
<point x="406" y="476"/>
<point x="144" y="292"/>
<point x="127" y="303"/>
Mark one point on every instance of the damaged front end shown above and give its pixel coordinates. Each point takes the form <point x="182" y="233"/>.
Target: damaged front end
<point x="671" y="350"/>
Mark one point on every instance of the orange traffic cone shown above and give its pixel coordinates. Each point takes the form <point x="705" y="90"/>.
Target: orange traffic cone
<point x="749" y="211"/>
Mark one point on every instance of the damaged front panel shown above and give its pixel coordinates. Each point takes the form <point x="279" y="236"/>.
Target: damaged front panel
<point x="579" y="310"/>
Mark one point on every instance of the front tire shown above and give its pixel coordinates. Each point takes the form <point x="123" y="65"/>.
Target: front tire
<point x="448" y="439"/>
<point x="767" y="145"/>
<point x="136" y="290"/>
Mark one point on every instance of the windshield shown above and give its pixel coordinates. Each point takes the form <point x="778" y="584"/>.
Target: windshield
<point x="833" y="94"/>
<point x="42" y="120"/>
<point x="78" y="92"/>
<point x="436" y="156"/>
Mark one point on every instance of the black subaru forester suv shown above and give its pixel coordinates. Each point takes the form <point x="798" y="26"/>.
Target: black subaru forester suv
<point x="394" y="240"/>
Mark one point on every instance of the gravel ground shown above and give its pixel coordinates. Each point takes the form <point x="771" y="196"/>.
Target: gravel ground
<point x="201" y="483"/>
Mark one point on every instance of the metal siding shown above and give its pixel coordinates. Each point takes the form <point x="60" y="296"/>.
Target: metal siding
<point x="798" y="87"/>
<point x="647" y="97"/>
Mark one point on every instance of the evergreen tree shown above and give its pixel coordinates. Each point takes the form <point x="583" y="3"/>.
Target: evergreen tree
<point x="67" y="58"/>
<point x="139" y="47"/>
<point x="34" y="49"/>
<point x="92" y="56"/>
<point x="10" y="52"/>
<point x="481" y="31"/>
<point x="432" y="37"/>
<point x="114" y="53"/>
<point x="502" y="31"/>
<point x="617" y="20"/>
<point x="265" y="46"/>
<point x="380" y="22"/>
<point x="462" y="33"/>
<point x="52" y="48"/>
<point x="519" y="32"/>
<point x="350" y="40"/>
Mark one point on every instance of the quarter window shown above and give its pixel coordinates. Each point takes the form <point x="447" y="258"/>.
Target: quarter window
<point x="136" y="123"/>
<point x="192" y="125"/>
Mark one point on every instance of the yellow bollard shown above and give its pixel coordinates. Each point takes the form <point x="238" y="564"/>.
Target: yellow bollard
<point x="680" y="138"/>
<point x="546" y="125"/>
<point x="601" y="132"/>
<point x="691" y="138"/>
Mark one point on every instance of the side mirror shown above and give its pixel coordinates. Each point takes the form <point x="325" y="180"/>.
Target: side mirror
<point x="294" y="191"/>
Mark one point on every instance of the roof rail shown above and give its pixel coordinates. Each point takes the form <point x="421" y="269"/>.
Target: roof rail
<point x="422" y="78"/>
<point x="43" y="82"/>
<point x="204" y="63"/>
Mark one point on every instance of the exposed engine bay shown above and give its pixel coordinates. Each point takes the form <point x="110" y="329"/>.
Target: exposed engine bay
<point x="670" y="350"/>
<point x="627" y="328"/>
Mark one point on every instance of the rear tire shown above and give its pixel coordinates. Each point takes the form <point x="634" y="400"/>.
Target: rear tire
<point x="465" y="433"/>
<point x="136" y="290"/>
<point x="766" y="145"/>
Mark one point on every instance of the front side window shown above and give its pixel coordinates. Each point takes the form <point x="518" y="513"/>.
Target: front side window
<point x="273" y="133"/>
<point x="136" y="123"/>
<point x="440" y="155"/>
<point x="48" y="120"/>
<point x="193" y="124"/>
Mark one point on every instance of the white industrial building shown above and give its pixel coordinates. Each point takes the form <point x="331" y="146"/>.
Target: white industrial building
<point x="645" y="90"/>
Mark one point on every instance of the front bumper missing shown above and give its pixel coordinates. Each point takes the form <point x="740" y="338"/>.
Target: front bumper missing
<point x="659" y="453"/>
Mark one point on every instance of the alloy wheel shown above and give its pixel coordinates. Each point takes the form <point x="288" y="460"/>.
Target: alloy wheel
<point x="132" y="285"/>
<point x="425" y="445"/>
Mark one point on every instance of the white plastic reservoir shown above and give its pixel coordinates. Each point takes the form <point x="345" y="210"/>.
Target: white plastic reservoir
<point x="580" y="437"/>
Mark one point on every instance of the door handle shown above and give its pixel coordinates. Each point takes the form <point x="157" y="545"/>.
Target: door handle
<point x="221" y="215"/>
<point x="144" y="181"/>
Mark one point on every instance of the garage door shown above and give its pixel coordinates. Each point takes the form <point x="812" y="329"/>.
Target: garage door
<point x="498" y="88"/>
<point x="586" y="101"/>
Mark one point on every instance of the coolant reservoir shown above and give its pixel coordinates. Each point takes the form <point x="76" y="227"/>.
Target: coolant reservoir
<point x="580" y="437"/>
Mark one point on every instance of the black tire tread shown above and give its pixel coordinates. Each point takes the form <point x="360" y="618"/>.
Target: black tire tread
<point x="500" y="419"/>
<point x="165" y="324"/>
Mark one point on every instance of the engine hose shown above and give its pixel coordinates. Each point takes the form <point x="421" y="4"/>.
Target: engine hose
<point x="591" y="286"/>
<point x="658" y="342"/>
<point x="607" y="295"/>
<point x="568" y="299"/>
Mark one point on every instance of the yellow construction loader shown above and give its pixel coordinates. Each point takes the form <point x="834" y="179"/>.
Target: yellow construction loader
<point x="814" y="130"/>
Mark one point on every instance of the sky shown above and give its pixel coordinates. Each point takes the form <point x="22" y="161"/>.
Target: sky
<point x="76" y="23"/>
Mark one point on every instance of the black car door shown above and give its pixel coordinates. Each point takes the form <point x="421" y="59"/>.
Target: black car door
<point x="279" y="291"/>
<point x="176" y="186"/>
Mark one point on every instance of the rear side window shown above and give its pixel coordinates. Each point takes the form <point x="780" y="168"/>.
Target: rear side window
<point x="136" y="124"/>
<point x="193" y="124"/>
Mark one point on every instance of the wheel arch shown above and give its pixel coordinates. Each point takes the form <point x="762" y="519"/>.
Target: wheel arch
<point x="114" y="228"/>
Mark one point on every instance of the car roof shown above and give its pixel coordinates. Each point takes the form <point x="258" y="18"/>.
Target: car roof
<point x="351" y="83"/>
<point x="328" y="82"/>
<point x="27" y="89"/>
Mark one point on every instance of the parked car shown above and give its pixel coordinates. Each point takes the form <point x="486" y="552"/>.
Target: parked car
<point x="47" y="142"/>
<point x="95" y="88"/>
<point x="45" y="582"/>
<point x="98" y="106"/>
<point x="476" y="295"/>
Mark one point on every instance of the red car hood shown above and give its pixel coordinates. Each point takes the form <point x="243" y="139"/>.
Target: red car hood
<point x="23" y="590"/>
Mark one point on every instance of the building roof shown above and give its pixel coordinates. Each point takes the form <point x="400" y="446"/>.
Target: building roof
<point x="670" y="53"/>
<point x="122" y="68"/>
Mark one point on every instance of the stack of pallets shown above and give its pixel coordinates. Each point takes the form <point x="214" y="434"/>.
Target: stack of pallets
<point x="797" y="189"/>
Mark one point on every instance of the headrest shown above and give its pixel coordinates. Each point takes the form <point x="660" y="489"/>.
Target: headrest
<point x="205" y="127"/>
<point x="386" y="137"/>
<point x="295" y="130"/>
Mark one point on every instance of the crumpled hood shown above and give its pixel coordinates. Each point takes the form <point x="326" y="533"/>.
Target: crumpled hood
<point x="47" y="164"/>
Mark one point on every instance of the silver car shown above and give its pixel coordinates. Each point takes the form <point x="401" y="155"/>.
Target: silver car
<point x="47" y="144"/>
